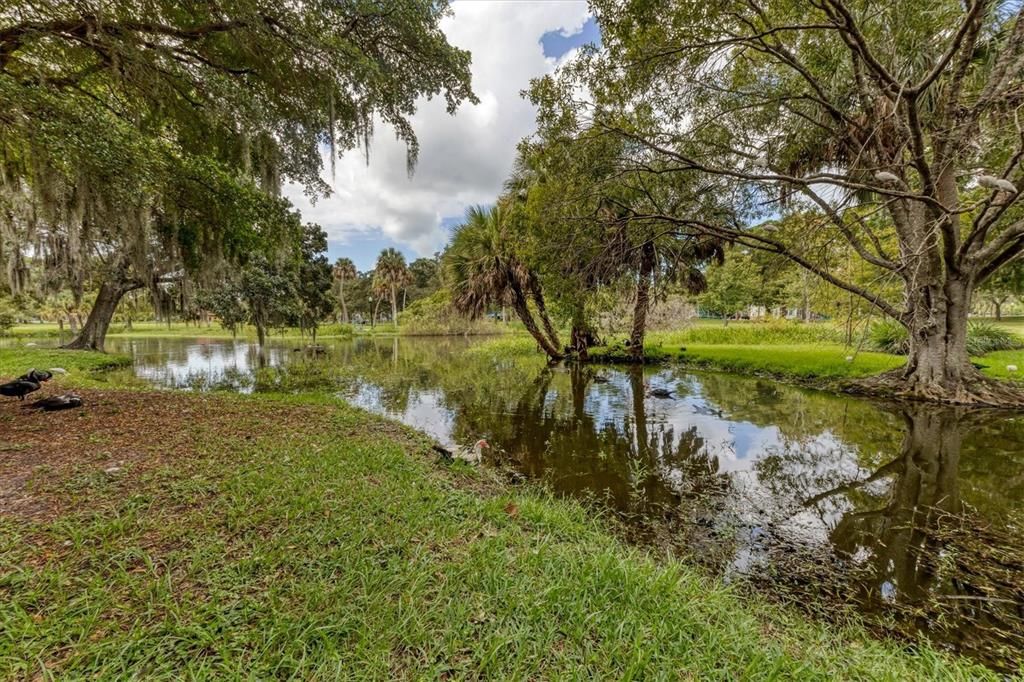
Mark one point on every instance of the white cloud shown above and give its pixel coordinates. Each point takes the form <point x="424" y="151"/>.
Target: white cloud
<point x="463" y="159"/>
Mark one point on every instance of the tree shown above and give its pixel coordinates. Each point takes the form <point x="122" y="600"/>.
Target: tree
<point x="263" y="295"/>
<point x="585" y="212"/>
<point x="484" y="269"/>
<point x="313" y="280"/>
<point x="1005" y="285"/>
<point x="379" y="289"/>
<point x="850" y="109"/>
<point x="393" y="275"/>
<point x="426" y="277"/>
<point x="344" y="271"/>
<point x="133" y="133"/>
<point x="730" y="287"/>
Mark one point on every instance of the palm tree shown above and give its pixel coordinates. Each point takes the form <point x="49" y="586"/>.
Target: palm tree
<point x="344" y="270"/>
<point x="483" y="269"/>
<point x="378" y="290"/>
<point x="392" y="273"/>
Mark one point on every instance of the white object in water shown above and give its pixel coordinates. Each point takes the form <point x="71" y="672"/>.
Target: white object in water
<point x="886" y="176"/>
<point x="1011" y="368"/>
<point x="57" y="370"/>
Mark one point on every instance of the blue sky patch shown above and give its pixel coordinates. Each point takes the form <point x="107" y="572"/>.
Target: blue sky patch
<point x="557" y="43"/>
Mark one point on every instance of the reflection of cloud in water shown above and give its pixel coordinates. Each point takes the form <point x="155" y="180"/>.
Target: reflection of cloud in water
<point x="425" y="410"/>
<point x="195" y="362"/>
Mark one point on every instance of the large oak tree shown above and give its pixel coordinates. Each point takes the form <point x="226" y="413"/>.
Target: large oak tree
<point x="855" y="109"/>
<point x="144" y="139"/>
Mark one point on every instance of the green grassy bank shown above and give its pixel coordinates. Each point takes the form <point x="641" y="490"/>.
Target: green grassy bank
<point x="169" y="535"/>
<point x="801" y="353"/>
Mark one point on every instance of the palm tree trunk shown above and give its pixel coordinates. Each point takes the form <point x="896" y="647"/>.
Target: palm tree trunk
<point x="538" y="299"/>
<point x="341" y="298"/>
<point x="523" y="311"/>
<point x="394" y="306"/>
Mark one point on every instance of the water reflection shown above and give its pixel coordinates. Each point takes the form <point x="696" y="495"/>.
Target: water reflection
<point x="908" y="512"/>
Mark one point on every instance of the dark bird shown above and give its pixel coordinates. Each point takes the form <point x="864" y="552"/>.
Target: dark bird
<point x="658" y="392"/>
<point x="37" y="375"/>
<point x="25" y="384"/>
<point x="57" y="402"/>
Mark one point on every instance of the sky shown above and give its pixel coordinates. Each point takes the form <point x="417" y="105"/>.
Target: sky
<point x="464" y="159"/>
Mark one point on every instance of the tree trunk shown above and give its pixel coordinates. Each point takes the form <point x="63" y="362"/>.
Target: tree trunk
<point x="94" y="332"/>
<point x="580" y="340"/>
<point x="643" y="302"/>
<point x="805" y="299"/>
<point x="394" y="306"/>
<point x="341" y="299"/>
<point x="523" y="311"/>
<point x="938" y="366"/>
<point x="376" y="311"/>
<point x="999" y="309"/>
<point x="538" y="299"/>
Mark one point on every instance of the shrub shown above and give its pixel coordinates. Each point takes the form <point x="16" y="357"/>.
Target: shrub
<point x="433" y="315"/>
<point x="985" y="337"/>
<point x="889" y="336"/>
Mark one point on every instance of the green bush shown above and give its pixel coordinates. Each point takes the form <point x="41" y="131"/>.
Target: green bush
<point x="889" y="336"/>
<point x="433" y="316"/>
<point x="985" y="337"/>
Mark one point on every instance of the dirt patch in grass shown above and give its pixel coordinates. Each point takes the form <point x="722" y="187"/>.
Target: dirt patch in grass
<point x="120" y="435"/>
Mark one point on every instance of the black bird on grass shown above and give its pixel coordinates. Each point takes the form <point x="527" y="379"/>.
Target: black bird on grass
<point x="25" y="384"/>
<point x="57" y="402"/>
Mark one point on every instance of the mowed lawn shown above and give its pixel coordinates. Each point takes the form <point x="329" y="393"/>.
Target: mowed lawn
<point x="789" y="350"/>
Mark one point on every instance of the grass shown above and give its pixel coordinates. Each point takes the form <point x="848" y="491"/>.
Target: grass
<point x="804" y="353"/>
<point x="1014" y="324"/>
<point x="14" y="361"/>
<point x="296" y="537"/>
<point x="996" y="364"/>
<point x="791" y="351"/>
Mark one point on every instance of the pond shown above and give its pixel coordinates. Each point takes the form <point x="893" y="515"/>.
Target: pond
<point x="909" y="514"/>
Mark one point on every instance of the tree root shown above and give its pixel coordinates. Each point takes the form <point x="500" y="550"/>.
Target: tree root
<point x="975" y="390"/>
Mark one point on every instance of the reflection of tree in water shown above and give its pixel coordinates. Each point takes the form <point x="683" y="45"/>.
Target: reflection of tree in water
<point x="635" y="466"/>
<point x="916" y="551"/>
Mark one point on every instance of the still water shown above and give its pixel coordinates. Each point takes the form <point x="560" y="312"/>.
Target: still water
<point x="909" y="514"/>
